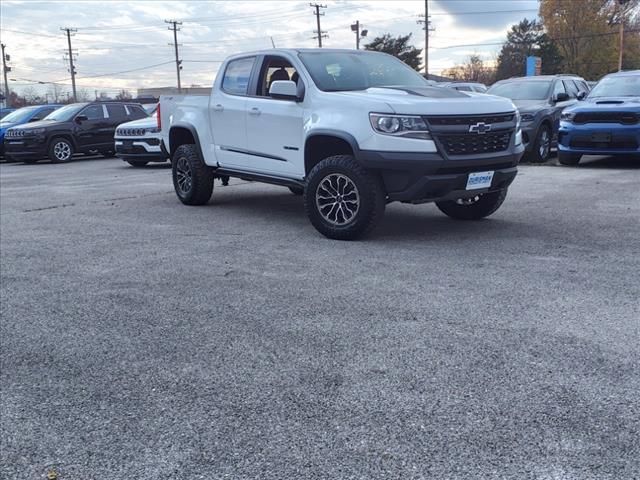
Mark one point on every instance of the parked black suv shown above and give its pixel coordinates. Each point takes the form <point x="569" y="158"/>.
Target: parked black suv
<point x="79" y="127"/>
<point x="540" y="100"/>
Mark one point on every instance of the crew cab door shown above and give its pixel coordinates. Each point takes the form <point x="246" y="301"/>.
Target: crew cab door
<point x="274" y="126"/>
<point x="227" y="112"/>
<point x="92" y="132"/>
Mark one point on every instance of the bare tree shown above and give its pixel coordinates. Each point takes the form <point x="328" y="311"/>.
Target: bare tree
<point x="83" y="95"/>
<point x="31" y="96"/>
<point x="124" y="95"/>
<point x="55" y="93"/>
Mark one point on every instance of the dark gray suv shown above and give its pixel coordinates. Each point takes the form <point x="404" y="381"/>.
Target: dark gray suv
<point x="540" y="100"/>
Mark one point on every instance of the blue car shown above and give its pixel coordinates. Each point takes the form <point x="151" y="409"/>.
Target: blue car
<point x="607" y="122"/>
<point x="22" y="116"/>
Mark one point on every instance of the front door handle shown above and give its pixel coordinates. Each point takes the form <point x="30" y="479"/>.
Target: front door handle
<point x="218" y="108"/>
<point x="255" y="111"/>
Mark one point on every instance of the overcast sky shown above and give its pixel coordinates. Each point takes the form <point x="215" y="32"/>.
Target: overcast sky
<point x="116" y="37"/>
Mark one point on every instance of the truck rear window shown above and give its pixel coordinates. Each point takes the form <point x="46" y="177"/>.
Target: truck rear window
<point x="236" y="76"/>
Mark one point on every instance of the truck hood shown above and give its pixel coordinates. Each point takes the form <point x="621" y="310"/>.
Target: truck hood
<point x="40" y="124"/>
<point x="148" y="122"/>
<point x="530" y="105"/>
<point x="431" y="100"/>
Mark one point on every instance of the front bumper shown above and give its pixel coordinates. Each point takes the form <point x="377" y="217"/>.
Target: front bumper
<point x="427" y="177"/>
<point x="148" y="149"/>
<point x="25" y="147"/>
<point x="599" y="139"/>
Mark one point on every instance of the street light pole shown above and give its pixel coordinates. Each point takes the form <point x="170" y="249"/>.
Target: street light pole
<point x="4" y="71"/>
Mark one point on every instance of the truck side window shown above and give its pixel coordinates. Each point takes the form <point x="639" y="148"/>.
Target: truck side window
<point x="236" y="76"/>
<point x="558" y="88"/>
<point x="275" y="68"/>
<point x="572" y="90"/>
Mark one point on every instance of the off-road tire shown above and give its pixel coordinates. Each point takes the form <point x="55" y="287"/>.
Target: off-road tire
<point x="368" y="190"/>
<point x="186" y="165"/>
<point x="297" y="190"/>
<point x="485" y="205"/>
<point x="58" y="153"/>
<point x="137" y="163"/>
<point x="571" y="159"/>
<point x="535" y="156"/>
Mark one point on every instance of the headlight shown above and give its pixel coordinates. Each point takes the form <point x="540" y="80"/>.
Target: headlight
<point x="400" y="125"/>
<point x="567" y="116"/>
<point x="527" y="117"/>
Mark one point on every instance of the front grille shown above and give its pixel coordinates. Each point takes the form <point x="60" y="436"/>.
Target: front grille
<point x="626" y="118"/>
<point x="619" y="141"/>
<point x="471" y="143"/>
<point x="472" y="120"/>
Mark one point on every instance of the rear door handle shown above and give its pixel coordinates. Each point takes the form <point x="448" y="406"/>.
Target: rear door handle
<point x="255" y="111"/>
<point x="218" y="108"/>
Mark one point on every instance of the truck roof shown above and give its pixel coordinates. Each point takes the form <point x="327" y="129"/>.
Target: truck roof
<point x="293" y="51"/>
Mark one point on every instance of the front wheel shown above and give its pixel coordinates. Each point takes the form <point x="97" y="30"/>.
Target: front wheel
<point x="60" y="150"/>
<point x="343" y="200"/>
<point x="566" y="158"/>
<point x="192" y="179"/>
<point x="474" y="208"/>
<point x="541" y="146"/>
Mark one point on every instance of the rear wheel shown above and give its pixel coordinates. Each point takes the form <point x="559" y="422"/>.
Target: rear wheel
<point x="474" y="208"/>
<point x="343" y="200"/>
<point x="60" y="150"/>
<point x="192" y="179"/>
<point x="566" y="158"/>
<point x="137" y="163"/>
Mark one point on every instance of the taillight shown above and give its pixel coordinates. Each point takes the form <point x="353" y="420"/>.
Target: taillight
<point x="159" y="118"/>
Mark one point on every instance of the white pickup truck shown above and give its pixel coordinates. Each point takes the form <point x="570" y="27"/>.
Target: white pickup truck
<point x="350" y="130"/>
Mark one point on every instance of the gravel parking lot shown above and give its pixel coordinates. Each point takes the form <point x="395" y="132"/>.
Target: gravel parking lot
<point x="143" y="339"/>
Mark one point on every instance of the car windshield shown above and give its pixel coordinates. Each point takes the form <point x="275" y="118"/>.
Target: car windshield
<point x="536" y="90"/>
<point x="622" y="86"/>
<point x="20" y="116"/>
<point x="345" y="71"/>
<point x="65" y="114"/>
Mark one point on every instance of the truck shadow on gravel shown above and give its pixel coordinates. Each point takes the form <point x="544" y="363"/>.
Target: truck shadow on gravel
<point x="402" y="222"/>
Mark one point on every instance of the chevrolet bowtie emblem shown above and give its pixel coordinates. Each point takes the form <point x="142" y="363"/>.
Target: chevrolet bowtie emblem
<point x="479" y="128"/>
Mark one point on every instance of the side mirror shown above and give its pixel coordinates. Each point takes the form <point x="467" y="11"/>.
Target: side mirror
<point x="561" y="97"/>
<point x="34" y="120"/>
<point x="284" y="90"/>
<point x="81" y="118"/>
<point x="581" y="95"/>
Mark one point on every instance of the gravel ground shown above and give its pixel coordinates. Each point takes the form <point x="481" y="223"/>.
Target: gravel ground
<point x="143" y="339"/>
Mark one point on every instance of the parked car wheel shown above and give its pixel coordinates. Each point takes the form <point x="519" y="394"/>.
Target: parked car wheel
<point x="192" y="179"/>
<point x="60" y="150"/>
<point x="296" y="190"/>
<point x="571" y="159"/>
<point x="475" y="208"/>
<point x="343" y="200"/>
<point x="137" y="163"/>
<point x="541" y="146"/>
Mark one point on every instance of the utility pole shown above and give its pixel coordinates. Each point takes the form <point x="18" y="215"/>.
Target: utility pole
<point x="622" y="13"/>
<point x="355" y="28"/>
<point x="72" y="68"/>
<point x="174" y="26"/>
<point x="5" y="69"/>
<point x="427" y="28"/>
<point x="318" y="14"/>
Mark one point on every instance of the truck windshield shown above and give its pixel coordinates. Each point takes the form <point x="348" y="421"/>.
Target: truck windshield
<point x="623" y="86"/>
<point x="65" y="114"/>
<point x="344" y="71"/>
<point x="535" y="90"/>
